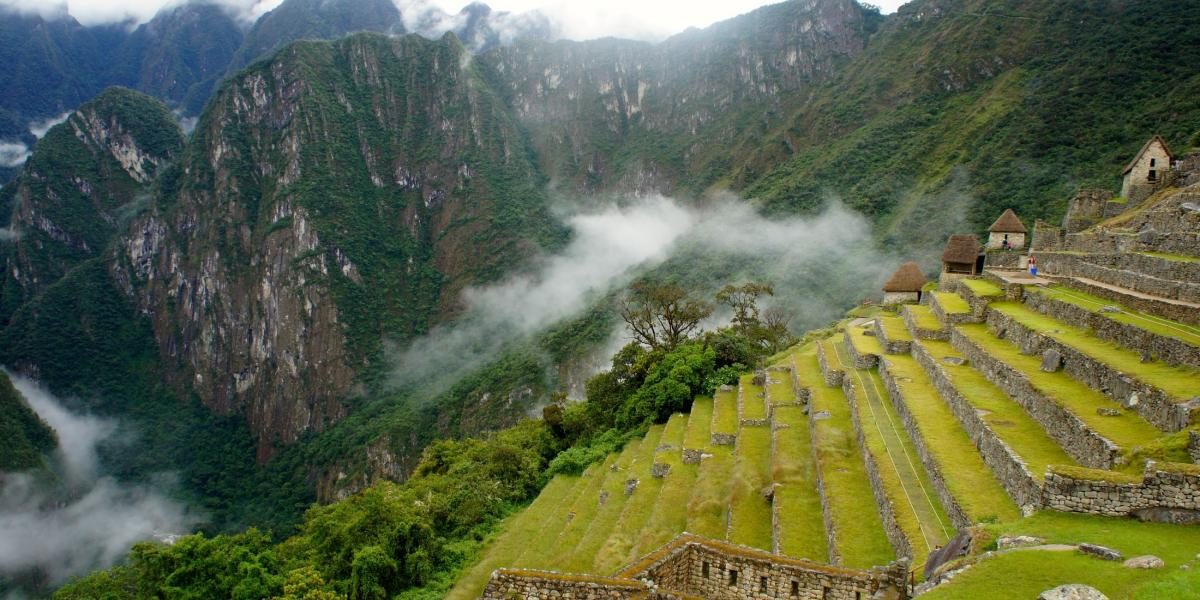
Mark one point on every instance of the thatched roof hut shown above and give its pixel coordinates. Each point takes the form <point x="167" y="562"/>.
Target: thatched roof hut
<point x="908" y="278"/>
<point x="1008" y="223"/>
<point x="961" y="250"/>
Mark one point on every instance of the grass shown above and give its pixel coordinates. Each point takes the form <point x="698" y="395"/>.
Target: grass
<point x="779" y="388"/>
<point x="708" y="507"/>
<point x="725" y="414"/>
<point x="797" y="502"/>
<point x="864" y="344"/>
<point x="858" y="531"/>
<point x="1006" y="418"/>
<point x="983" y="288"/>
<point x="1129" y="431"/>
<point x="752" y="404"/>
<point x="513" y="536"/>
<point x="601" y="520"/>
<point x="951" y="303"/>
<point x="894" y="329"/>
<point x="699" y="421"/>
<point x="1172" y="257"/>
<point x="1189" y="334"/>
<point x="570" y="520"/>
<point x="668" y="519"/>
<point x="1180" y="382"/>
<point x="616" y="550"/>
<point x="923" y="317"/>
<point x="918" y="512"/>
<point x="967" y="477"/>
<point x="1040" y="570"/>
<point x="750" y="513"/>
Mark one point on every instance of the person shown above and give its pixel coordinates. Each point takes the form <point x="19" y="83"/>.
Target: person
<point x="1032" y="265"/>
<point x="1004" y="244"/>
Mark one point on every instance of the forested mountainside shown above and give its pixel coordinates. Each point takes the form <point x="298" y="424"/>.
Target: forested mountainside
<point x="336" y="198"/>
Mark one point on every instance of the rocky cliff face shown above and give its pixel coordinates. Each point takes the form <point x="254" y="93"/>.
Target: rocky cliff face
<point x="78" y="190"/>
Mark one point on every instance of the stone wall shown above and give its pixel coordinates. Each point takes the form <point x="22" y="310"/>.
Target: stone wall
<point x="1123" y="388"/>
<point x="923" y="334"/>
<point x="1162" y="486"/>
<point x="860" y="360"/>
<point x="1087" y="208"/>
<point x="995" y="240"/>
<point x="893" y="298"/>
<point x="890" y="346"/>
<point x="1179" y="312"/>
<point x="978" y="304"/>
<point x="717" y="570"/>
<point x="1046" y="237"/>
<point x="833" y="377"/>
<point x="514" y="584"/>
<point x="1083" y="444"/>
<point x="1002" y="259"/>
<point x="1175" y="280"/>
<point x="955" y="512"/>
<point x="1167" y="349"/>
<point x="950" y="319"/>
<point x="835" y="556"/>
<point x="1101" y="241"/>
<point x="1193" y="446"/>
<point x="1013" y="473"/>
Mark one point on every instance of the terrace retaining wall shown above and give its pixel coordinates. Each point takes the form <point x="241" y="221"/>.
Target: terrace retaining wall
<point x="1151" y="403"/>
<point x="1076" y="438"/>
<point x="860" y="361"/>
<point x="1157" y="277"/>
<point x="1175" y="487"/>
<point x="1167" y="349"/>
<point x="910" y="321"/>
<point x="890" y="346"/>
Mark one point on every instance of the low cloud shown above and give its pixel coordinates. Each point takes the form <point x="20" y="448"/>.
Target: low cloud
<point x="40" y="128"/>
<point x="55" y="528"/>
<point x="13" y="154"/>
<point x="98" y="12"/>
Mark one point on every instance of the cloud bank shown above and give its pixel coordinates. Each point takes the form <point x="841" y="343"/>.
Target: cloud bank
<point x="78" y="520"/>
<point x="13" y="153"/>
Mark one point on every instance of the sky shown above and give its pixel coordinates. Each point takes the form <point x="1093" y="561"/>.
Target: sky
<point x="641" y="19"/>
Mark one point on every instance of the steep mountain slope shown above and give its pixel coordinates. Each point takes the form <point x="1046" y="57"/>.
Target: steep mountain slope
<point x="315" y="20"/>
<point x="89" y="175"/>
<point x="26" y="437"/>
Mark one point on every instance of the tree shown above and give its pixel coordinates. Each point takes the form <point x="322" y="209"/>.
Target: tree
<point x="743" y="299"/>
<point x="661" y="316"/>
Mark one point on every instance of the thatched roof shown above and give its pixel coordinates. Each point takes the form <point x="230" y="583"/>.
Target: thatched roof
<point x="1008" y="223"/>
<point x="1138" y="156"/>
<point x="961" y="249"/>
<point x="908" y="278"/>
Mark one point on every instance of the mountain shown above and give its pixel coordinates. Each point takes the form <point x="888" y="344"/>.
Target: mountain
<point x="27" y="437"/>
<point x="315" y="20"/>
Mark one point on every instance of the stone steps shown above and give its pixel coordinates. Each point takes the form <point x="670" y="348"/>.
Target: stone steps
<point x="1162" y="394"/>
<point x="1170" y="341"/>
<point x="1185" y="312"/>
<point x="1015" y="447"/>
<point x="893" y="334"/>
<point x="855" y="536"/>
<point x="966" y="486"/>
<point x="668" y="519"/>
<point x="913" y="517"/>
<point x="796" y="518"/>
<point x="1068" y="410"/>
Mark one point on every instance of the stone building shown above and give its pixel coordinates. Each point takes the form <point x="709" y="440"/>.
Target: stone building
<point x="905" y="285"/>
<point x="1008" y="228"/>
<point x="1146" y="171"/>
<point x="960" y="258"/>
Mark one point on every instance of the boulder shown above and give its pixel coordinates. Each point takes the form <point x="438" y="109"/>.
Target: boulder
<point x="958" y="546"/>
<point x="1100" y="551"/>
<point x="1104" y="411"/>
<point x="821" y="415"/>
<point x="1110" y="309"/>
<point x="1018" y="541"/>
<point x="1166" y="514"/>
<point x="1148" y="561"/>
<point x="1072" y="591"/>
<point x="1051" y="360"/>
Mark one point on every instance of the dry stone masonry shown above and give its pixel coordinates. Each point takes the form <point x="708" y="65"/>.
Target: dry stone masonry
<point x="1166" y="491"/>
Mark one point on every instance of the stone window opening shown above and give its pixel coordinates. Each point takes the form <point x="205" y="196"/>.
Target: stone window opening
<point x="733" y="575"/>
<point x="857" y="595"/>
<point x="1153" y="176"/>
<point x="762" y="585"/>
<point x="704" y="570"/>
<point x="795" y="588"/>
<point x="825" y="592"/>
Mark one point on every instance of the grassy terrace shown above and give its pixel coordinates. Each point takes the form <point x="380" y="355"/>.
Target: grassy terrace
<point x="1041" y="570"/>
<point x="1129" y="431"/>
<point x="750" y="513"/>
<point x="923" y="317"/>
<point x="1178" y="382"/>
<point x="601" y="515"/>
<point x="983" y="288"/>
<point x="1172" y="257"/>
<point x="699" y="424"/>
<point x="668" y="518"/>
<point x="863" y="343"/>
<point x="919" y="513"/>
<point x="753" y="406"/>
<point x="515" y="534"/>
<point x="709" y="504"/>
<point x="779" y="389"/>
<point x="894" y="329"/>
<point x="618" y="548"/>
<point x="802" y="529"/>
<point x="1189" y="334"/>
<point x="967" y="477"/>
<point x="951" y="303"/>
<point x="725" y="417"/>
<point x="547" y="551"/>
<point x="858" y="532"/>
<point x="1007" y="419"/>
